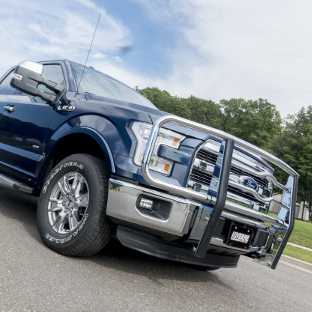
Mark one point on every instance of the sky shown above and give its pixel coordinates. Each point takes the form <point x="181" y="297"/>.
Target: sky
<point x="212" y="49"/>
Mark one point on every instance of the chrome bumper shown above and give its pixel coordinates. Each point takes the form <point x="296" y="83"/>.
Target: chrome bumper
<point x="122" y="205"/>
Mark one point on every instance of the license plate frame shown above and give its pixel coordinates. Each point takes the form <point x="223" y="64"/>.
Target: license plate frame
<point x="239" y="236"/>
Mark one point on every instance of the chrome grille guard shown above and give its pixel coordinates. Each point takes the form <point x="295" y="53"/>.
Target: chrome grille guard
<point x="288" y="202"/>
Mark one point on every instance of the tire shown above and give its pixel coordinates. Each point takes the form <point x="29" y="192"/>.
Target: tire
<point x="71" y="214"/>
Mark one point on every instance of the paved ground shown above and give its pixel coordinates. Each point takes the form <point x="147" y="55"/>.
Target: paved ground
<point x="33" y="277"/>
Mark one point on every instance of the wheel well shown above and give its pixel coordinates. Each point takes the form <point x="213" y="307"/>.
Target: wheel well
<point x="77" y="143"/>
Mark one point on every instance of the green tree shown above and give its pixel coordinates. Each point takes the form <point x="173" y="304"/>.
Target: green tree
<point x="257" y="122"/>
<point x="193" y="108"/>
<point x="294" y="146"/>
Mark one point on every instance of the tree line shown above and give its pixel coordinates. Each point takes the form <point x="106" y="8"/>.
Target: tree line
<point x="255" y="121"/>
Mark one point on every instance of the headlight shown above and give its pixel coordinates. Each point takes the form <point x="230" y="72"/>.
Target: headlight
<point x="165" y="137"/>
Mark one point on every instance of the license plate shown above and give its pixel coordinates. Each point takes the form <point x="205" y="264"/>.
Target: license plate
<point x="239" y="236"/>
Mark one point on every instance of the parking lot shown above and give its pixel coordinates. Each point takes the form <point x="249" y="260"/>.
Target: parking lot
<point x="34" y="278"/>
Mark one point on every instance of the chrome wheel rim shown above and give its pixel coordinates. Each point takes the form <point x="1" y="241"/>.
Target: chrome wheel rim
<point x="68" y="203"/>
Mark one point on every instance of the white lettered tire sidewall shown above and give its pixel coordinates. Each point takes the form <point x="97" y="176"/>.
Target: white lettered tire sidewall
<point x="95" y="229"/>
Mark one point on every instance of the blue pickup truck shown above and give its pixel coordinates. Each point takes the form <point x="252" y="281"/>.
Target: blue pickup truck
<point x="105" y="161"/>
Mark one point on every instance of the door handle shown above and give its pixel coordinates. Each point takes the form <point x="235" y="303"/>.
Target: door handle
<point x="9" y="108"/>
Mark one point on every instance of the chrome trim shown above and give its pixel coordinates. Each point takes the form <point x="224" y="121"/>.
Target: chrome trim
<point x="213" y="146"/>
<point x="179" y="219"/>
<point x="113" y="184"/>
<point x="68" y="203"/>
<point x="275" y="243"/>
<point x="220" y="134"/>
<point x="121" y="187"/>
<point x="260" y="174"/>
<point x="32" y="66"/>
<point x="16" y="185"/>
<point x="255" y="193"/>
<point x="281" y="225"/>
<point x="208" y="168"/>
<point x="234" y="207"/>
<point x="6" y="180"/>
<point x="122" y="198"/>
<point x="9" y="108"/>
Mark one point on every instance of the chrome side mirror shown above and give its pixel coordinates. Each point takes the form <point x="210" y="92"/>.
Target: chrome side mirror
<point x="28" y="75"/>
<point x="32" y="66"/>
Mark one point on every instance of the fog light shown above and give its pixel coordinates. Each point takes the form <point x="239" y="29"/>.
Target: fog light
<point x="146" y="203"/>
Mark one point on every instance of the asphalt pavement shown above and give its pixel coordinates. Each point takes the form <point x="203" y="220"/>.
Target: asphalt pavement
<point x="34" y="278"/>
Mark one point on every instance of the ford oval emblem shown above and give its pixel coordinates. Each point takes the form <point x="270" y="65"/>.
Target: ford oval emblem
<point x="249" y="182"/>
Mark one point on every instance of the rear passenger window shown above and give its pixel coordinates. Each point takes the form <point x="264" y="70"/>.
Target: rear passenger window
<point x="5" y="87"/>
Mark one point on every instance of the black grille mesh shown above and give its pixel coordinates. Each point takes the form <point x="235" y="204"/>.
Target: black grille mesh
<point x="205" y="177"/>
<point x="200" y="177"/>
<point x="207" y="156"/>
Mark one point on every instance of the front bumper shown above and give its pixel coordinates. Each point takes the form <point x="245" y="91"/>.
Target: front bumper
<point x="188" y="220"/>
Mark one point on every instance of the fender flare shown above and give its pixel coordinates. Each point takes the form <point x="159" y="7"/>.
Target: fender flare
<point x="97" y="136"/>
<point x="92" y="133"/>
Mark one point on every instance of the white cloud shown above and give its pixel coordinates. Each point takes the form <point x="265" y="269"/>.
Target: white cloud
<point x="98" y="55"/>
<point x="224" y="49"/>
<point x="58" y="29"/>
<point x="118" y="59"/>
<point x="240" y="48"/>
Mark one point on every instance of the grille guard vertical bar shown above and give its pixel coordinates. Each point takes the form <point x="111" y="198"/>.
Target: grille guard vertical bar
<point x="291" y="225"/>
<point x="221" y="198"/>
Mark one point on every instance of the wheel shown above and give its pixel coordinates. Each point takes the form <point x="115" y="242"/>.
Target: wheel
<point x="71" y="212"/>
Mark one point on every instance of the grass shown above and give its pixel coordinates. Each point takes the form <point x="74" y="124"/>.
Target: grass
<point x="302" y="234"/>
<point x="298" y="253"/>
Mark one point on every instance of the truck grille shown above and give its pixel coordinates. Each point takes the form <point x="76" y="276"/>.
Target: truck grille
<point x="200" y="177"/>
<point x="204" y="164"/>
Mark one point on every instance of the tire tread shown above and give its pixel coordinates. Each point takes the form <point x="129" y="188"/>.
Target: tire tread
<point x="102" y="228"/>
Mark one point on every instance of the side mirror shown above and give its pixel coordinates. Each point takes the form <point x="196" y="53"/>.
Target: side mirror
<point x="28" y="75"/>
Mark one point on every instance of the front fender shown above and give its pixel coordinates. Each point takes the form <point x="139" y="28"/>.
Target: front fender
<point x="103" y="131"/>
<point x="101" y="142"/>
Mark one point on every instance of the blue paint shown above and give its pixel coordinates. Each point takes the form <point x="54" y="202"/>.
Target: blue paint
<point x="33" y="132"/>
<point x="251" y="183"/>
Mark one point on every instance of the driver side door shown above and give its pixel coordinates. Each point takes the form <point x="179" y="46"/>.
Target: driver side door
<point x="23" y="126"/>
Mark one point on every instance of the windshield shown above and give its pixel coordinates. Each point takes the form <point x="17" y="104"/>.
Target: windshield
<point x="97" y="83"/>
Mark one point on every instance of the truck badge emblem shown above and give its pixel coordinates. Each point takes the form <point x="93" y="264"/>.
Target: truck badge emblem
<point x="249" y="182"/>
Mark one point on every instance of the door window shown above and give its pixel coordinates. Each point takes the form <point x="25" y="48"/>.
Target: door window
<point x="52" y="72"/>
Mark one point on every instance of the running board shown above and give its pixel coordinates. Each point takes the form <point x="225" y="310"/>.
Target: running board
<point x="16" y="185"/>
